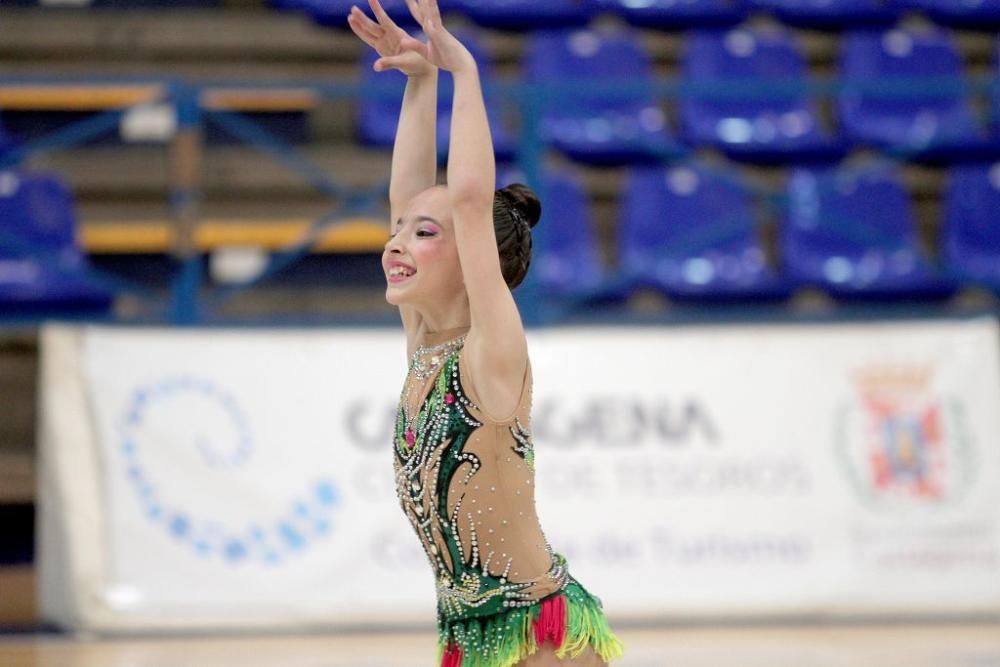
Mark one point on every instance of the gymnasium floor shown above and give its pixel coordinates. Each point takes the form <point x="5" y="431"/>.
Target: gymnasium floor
<point x="841" y="645"/>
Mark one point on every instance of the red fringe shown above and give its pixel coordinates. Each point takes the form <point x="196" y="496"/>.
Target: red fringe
<point x="452" y="656"/>
<point x="551" y="622"/>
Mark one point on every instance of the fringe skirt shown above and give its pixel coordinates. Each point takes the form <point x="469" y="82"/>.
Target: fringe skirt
<point x="572" y="618"/>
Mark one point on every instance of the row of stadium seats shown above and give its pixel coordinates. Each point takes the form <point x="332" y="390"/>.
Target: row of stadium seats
<point x="693" y="232"/>
<point x="746" y="94"/>
<point x="523" y="15"/>
<point x="688" y="230"/>
<point x="745" y="91"/>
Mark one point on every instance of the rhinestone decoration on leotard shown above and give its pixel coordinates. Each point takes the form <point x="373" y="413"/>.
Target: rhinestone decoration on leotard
<point x="523" y="446"/>
<point x="444" y="423"/>
<point x="422" y="367"/>
<point x="484" y="618"/>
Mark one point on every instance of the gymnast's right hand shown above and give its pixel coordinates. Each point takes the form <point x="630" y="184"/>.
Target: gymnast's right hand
<point x="385" y="37"/>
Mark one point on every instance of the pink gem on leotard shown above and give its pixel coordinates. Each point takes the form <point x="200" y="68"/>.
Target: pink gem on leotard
<point x="410" y="437"/>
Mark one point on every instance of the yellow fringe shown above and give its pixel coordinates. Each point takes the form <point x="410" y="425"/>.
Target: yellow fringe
<point x="585" y="625"/>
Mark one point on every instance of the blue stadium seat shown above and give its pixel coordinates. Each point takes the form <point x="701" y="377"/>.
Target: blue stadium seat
<point x="903" y="92"/>
<point x="567" y="261"/>
<point x="41" y="263"/>
<point x="377" y="118"/>
<point x="730" y="107"/>
<point x="603" y="129"/>
<point x="526" y="15"/>
<point x="692" y="233"/>
<point x="852" y="233"/>
<point x="829" y="14"/>
<point x="677" y="14"/>
<point x="970" y="234"/>
<point x="958" y="13"/>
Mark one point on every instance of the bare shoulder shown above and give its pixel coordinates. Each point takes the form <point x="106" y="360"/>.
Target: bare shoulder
<point x="498" y="376"/>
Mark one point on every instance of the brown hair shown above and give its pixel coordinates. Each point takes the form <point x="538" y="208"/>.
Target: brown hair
<point x="516" y="211"/>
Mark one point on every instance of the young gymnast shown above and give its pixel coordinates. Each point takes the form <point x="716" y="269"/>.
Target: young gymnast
<point x="463" y="452"/>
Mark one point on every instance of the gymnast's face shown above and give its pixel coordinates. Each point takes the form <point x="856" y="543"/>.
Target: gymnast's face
<point x="424" y="241"/>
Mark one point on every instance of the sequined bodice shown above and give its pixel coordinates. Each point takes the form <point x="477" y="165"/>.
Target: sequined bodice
<point x="465" y="481"/>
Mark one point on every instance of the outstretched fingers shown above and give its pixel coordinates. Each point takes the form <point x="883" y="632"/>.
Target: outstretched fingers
<point x="380" y="14"/>
<point x="414" y="8"/>
<point x="425" y="12"/>
<point x="431" y="11"/>
<point x="366" y="37"/>
<point x="363" y="26"/>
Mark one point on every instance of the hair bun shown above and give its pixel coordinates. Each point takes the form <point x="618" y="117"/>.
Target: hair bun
<point x="525" y="201"/>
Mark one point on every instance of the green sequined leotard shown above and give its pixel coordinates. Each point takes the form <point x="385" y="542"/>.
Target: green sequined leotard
<point x="465" y="480"/>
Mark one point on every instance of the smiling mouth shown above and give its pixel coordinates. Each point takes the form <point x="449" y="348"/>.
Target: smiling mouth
<point x="400" y="275"/>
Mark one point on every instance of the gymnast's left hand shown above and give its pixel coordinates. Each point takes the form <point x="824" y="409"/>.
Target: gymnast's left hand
<point x="442" y="48"/>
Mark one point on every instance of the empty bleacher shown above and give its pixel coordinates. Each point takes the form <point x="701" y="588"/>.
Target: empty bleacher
<point x="119" y="181"/>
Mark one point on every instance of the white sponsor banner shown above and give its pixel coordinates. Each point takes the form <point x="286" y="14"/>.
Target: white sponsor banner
<point x="779" y="469"/>
<point x="251" y="472"/>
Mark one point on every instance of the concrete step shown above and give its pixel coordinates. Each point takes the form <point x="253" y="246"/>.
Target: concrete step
<point x="120" y="172"/>
<point x="169" y="34"/>
<point x="142" y="171"/>
<point x="18" y="386"/>
<point x="17" y="477"/>
<point x="193" y="35"/>
<point x="19" y="603"/>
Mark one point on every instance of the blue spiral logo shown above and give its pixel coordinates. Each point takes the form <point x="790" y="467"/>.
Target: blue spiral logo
<point x="192" y="418"/>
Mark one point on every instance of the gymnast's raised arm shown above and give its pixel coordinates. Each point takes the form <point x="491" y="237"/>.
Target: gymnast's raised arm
<point x="496" y="343"/>
<point x="414" y="154"/>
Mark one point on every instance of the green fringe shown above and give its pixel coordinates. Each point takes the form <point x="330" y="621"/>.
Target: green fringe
<point x="504" y="639"/>
<point x="586" y="624"/>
